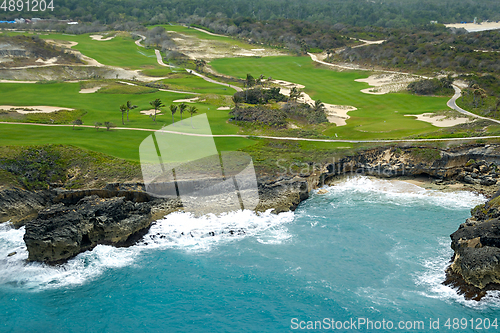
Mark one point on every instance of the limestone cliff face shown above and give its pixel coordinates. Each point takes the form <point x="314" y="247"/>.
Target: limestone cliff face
<point x="477" y="249"/>
<point x="61" y="232"/>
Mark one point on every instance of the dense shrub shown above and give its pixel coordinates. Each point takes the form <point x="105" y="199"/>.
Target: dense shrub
<point x="261" y="96"/>
<point x="260" y="114"/>
<point x="431" y="87"/>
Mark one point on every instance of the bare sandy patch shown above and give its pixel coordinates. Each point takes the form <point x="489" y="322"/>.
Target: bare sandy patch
<point x="471" y="27"/>
<point x="100" y="38"/>
<point x="387" y="83"/>
<point x="48" y="61"/>
<point x="439" y="121"/>
<point x="12" y="81"/>
<point x="337" y="114"/>
<point x="199" y="48"/>
<point x="90" y="90"/>
<point x="224" y="108"/>
<point x="33" y="109"/>
<point x="151" y="112"/>
<point x="62" y="43"/>
<point x="189" y="100"/>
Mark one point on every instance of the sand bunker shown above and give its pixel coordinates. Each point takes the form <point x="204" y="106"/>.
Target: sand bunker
<point x="60" y="43"/>
<point x="337" y="114"/>
<point x="11" y="81"/>
<point x="190" y="100"/>
<point x="439" y="121"/>
<point x="151" y="112"/>
<point x="33" y="109"/>
<point x="48" y="61"/>
<point x="101" y="38"/>
<point x="387" y="83"/>
<point x="90" y="90"/>
<point x="224" y="108"/>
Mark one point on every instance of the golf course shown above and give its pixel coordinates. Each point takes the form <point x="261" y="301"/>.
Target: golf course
<point x="97" y="100"/>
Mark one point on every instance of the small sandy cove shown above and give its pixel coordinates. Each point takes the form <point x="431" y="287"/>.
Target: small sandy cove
<point x="35" y="109"/>
<point x="336" y="114"/>
<point x="439" y="121"/>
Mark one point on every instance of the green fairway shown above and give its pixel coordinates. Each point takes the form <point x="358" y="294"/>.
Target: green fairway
<point x="377" y="117"/>
<point x="120" y="51"/>
<point x="188" y="82"/>
<point x="118" y="143"/>
<point x="101" y="107"/>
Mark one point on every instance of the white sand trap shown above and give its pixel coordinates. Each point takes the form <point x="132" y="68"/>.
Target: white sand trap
<point x="337" y="114"/>
<point x="471" y="27"/>
<point x="90" y="90"/>
<point x="100" y="38"/>
<point x="439" y="121"/>
<point x="258" y="50"/>
<point x="224" y="108"/>
<point x="33" y="109"/>
<point x="178" y="39"/>
<point x="48" y="61"/>
<point x="60" y="43"/>
<point x="387" y="83"/>
<point x="151" y="112"/>
<point x="190" y="100"/>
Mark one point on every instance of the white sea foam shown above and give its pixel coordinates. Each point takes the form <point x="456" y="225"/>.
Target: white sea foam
<point x="434" y="275"/>
<point x="178" y="230"/>
<point x="401" y="193"/>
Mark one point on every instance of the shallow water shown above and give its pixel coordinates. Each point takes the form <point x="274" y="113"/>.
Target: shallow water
<point x="369" y="249"/>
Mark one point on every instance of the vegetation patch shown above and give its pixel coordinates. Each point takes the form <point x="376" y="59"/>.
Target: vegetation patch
<point x="435" y="87"/>
<point x="426" y="154"/>
<point x="117" y="88"/>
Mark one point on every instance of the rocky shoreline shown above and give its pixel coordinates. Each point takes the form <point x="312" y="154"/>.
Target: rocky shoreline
<point x="62" y="223"/>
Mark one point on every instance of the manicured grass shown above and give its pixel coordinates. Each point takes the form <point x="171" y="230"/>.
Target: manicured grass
<point x="105" y="107"/>
<point x="189" y="82"/>
<point x="121" y="51"/>
<point x="119" y="143"/>
<point x="377" y="117"/>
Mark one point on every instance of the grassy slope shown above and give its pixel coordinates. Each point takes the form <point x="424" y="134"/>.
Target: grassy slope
<point x="375" y="118"/>
<point x="121" y="51"/>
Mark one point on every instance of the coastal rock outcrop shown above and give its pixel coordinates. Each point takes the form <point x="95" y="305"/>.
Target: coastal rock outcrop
<point x="61" y="232"/>
<point x="18" y="205"/>
<point x="476" y="245"/>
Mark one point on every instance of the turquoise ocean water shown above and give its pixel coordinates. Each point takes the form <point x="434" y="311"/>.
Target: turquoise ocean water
<point x="370" y="250"/>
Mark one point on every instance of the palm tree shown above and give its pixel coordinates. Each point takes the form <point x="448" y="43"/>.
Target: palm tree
<point x="182" y="108"/>
<point x="295" y="94"/>
<point x="173" y="110"/>
<point x="250" y="81"/>
<point x="237" y="99"/>
<point x="156" y="104"/>
<point x="123" y="109"/>
<point x="130" y="107"/>
<point x="318" y="105"/>
<point x="192" y="110"/>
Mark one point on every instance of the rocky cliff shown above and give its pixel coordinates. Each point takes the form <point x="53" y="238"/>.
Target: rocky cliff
<point x="475" y="266"/>
<point x="62" y="223"/>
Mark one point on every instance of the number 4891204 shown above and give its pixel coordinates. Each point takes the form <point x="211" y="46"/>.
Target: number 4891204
<point x="27" y="5"/>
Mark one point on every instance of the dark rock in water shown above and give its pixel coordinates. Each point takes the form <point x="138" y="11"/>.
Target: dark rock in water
<point x="12" y="254"/>
<point x="61" y="232"/>
<point x="475" y="267"/>
<point x="487" y="181"/>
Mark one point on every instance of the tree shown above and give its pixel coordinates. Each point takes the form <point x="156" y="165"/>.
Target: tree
<point x="156" y="104"/>
<point x="249" y="81"/>
<point x="97" y="125"/>
<point x="130" y="107"/>
<point x="77" y="122"/>
<point x="260" y="80"/>
<point x="237" y="99"/>
<point x="182" y="108"/>
<point x="123" y="109"/>
<point x="173" y="110"/>
<point x="295" y="94"/>
<point x="192" y="110"/>
<point x="319" y="106"/>
<point x="108" y="125"/>
<point x="200" y="64"/>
